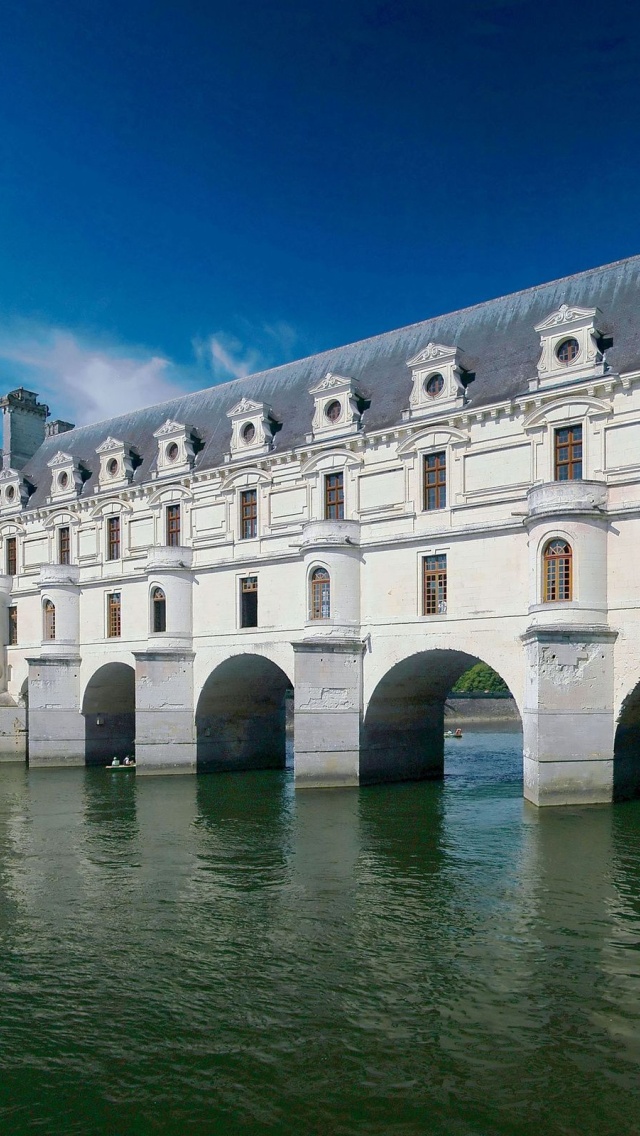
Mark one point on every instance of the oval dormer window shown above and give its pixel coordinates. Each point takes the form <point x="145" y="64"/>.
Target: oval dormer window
<point x="172" y="452"/>
<point x="568" y="350"/>
<point x="63" y="480"/>
<point x="248" y="433"/>
<point x="434" y="386"/>
<point x="112" y="467"/>
<point x="11" y="492"/>
<point x="333" y="411"/>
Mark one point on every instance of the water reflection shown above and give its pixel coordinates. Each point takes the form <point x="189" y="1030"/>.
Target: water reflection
<point x="221" y="954"/>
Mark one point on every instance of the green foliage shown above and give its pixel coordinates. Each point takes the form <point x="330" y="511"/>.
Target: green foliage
<point x="480" y="678"/>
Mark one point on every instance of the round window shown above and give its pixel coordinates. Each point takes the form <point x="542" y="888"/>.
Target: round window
<point x="434" y="386"/>
<point x="248" y="433"/>
<point x="63" y="480"/>
<point x="11" y="492"/>
<point x="112" y="467"/>
<point x="333" y="410"/>
<point x="172" y="451"/>
<point x="568" y="350"/>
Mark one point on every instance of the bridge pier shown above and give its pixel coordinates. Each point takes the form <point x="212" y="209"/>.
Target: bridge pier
<point x="328" y="708"/>
<point x="165" y="728"/>
<point x="567" y="717"/>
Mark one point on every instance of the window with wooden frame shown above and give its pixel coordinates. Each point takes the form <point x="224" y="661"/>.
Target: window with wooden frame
<point x="64" y="545"/>
<point x="13" y="625"/>
<point x="49" y="619"/>
<point x="435" y="481"/>
<point x="11" y="557"/>
<point x="320" y="605"/>
<point x="434" y="585"/>
<point x="173" y="525"/>
<point x="114" y="615"/>
<point x="568" y="453"/>
<point x="248" y="513"/>
<point x="113" y="538"/>
<point x="249" y="601"/>
<point x="158" y="610"/>
<point x="334" y="496"/>
<point x="557" y="572"/>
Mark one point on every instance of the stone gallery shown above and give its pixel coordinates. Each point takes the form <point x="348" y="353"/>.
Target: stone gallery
<point x="358" y="528"/>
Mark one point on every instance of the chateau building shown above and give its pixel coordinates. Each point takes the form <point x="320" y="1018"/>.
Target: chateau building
<point x="358" y="527"/>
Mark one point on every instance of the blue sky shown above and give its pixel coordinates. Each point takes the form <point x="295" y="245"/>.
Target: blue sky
<point x="192" y="191"/>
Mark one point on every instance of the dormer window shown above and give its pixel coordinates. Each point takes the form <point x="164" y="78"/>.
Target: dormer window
<point x="14" y="493"/>
<point x="66" y="476"/>
<point x="437" y="373"/>
<point x="117" y="463"/>
<point x="252" y="429"/>
<point x="338" y="407"/>
<point x="570" y="347"/>
<point x="434" y="386"/>
<point x="176" y="448"/>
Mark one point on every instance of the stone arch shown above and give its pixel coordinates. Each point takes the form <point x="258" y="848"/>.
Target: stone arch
<point x="626" y="748"/>
<point x="402" y="737"/>
<point x="109" y="708"/>
<point x="240" y="715"/>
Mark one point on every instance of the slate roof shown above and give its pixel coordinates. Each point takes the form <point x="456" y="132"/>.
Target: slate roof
<point x="497" y="340"/>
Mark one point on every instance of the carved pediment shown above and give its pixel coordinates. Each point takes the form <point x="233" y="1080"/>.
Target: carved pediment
<point x="108" y="445"/>
<point x="169" y="427"/>
<point x="331" y="382"/>
<point x="432" y="353"/>
<point x="60" y="459"/>
<point x="245" y="406"/>
<point x="566" y="315"/>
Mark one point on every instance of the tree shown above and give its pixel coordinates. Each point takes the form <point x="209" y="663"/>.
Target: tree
<point x="480" y="678"/>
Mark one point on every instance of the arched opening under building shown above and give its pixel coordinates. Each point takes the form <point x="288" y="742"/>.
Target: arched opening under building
<point x="626" y="749"/>
<point x="241" y="716"/>
<point x="404" y="728"/>
<point x="109" y="709"/>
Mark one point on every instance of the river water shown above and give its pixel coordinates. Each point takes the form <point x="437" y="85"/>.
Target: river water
<point x="219" y="955"/>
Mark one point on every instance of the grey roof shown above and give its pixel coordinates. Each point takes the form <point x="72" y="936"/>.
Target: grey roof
<point x="497" y="340"/>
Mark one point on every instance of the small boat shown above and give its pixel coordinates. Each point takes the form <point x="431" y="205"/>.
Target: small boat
<point x="453" y="733"/>
<point x="121" y="765"/>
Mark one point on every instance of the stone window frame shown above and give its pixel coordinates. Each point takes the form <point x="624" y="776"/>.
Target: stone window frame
<point x="12" y="633"/>
<point x="63" y="544"/>
<point x="155" y="605"/>
<point x="11" y="554"/>
<point x="546" y="560"/>
<point x="48" y="620"/>
<point x="109" y="542"/>
<point x="571" y="461"/>
<point x="249" y="578"/>
<point x="339" y="504"/>
<point x="312" y="589"/>
<point x="113" y="614"/>
<point x="439" y="485"/>
<point x="422" y="554"/>
<point x="251" y="517"/>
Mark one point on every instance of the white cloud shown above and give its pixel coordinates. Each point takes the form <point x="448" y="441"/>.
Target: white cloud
<point x="82" y="381"/>
<point x="255" y="348"/>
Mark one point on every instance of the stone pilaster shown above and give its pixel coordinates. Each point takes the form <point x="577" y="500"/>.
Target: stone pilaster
<point x="165" y="723"/>
<point x="328" y="710"/>
<point x="56" y="726"/>
<point x="568" y="715"/>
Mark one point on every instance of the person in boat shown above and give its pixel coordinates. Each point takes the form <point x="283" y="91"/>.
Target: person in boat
<point x="127" y="760"/>
<point x="458" y="733"/>
<point x="115" y="761"/>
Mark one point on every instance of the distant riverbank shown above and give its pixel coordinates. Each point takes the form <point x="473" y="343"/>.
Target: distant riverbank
<point x="481" y="712"/>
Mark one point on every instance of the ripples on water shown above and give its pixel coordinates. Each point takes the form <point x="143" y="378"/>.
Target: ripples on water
<point x="219" y="955"/>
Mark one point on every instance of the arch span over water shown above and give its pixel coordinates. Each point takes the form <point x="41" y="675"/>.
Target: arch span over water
<point x="402" y="736"/>
<point x="240" y="716"/>
<point x="109" y="710"/>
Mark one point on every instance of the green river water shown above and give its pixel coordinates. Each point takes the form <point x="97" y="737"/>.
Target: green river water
<point x="220" y="955"/>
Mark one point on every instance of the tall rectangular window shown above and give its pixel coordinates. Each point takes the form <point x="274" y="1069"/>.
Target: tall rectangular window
<point x="434" y="585"/>
<point x="113" y="538"/>
<point x="249" y="513"/>
<point x="11" y="548"/>
<point x="64" y="545"/>
<point x="249" y="601"/>
<point x="568" y="457"/>
<point x="173" y="525"/>
<point x="13" y="626"/>
<point x="334" y="497"/>
<point x="114" y="615"/>
<point x="435" y="481"/>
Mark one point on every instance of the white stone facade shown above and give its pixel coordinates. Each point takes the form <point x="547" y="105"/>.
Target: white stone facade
<point x="370" y="670"/>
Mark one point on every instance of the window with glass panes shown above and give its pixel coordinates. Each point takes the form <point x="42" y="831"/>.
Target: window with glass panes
<point x="173" y="525"/>
<point x="64" y="545"/>
<point x="49" y="613"/>
<point x="11" y="548"/>
<point x="113" y="538"/>
<point x="159" y="610"/>
<point x="320" y="594"/>
<point x="114" y="615"/>
<point x="249" y="601"/>
<point x="434" y="585"/>
<point x="556" y="571"/>
<point x="334" y="496"/>
<point x="13" y="626"/>
<point x="435" y="481"/>
<point x="568" y="458"/>
<point x="249" y="513"/>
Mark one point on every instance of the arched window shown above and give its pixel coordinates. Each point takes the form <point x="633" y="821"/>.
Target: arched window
<point x="320" y="594"/>
<point x="557" y="574"/>
<point x="158" y="610"/>
<point x="49" y="620"/>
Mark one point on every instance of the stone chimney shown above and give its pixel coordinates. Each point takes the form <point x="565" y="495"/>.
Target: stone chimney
<point x="23" y="426"/>
<point x="57" y="426"/>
